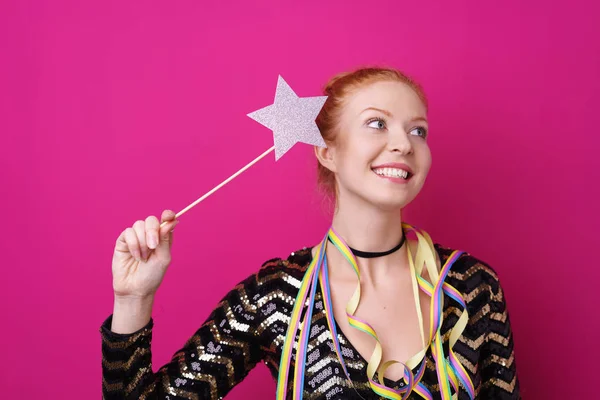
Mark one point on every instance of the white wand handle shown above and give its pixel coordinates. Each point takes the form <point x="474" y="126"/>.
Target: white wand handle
<point x="220" y="185"/>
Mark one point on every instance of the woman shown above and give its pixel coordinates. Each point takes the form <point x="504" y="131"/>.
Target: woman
<point x="454" y="339"/>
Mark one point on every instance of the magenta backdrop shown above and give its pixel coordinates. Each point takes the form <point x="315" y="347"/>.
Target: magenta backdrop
<point x="114" y="111"/>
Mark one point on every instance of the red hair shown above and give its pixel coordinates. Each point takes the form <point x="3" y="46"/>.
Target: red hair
<point x="338" y="89"/>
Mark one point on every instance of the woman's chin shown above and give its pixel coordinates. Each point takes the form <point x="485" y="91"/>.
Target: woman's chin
<point x="382" y="200"/>
<point x="395" y="201"/>
<point x="391" y="204"/>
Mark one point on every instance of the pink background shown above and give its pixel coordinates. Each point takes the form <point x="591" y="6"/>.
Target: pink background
<point x="111" y="111"/>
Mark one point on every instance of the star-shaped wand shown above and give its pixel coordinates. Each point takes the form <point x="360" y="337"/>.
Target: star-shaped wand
<point x="292" y="120"/>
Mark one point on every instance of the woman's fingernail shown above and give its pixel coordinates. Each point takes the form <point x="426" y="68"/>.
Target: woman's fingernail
<point x="152" y="242"/>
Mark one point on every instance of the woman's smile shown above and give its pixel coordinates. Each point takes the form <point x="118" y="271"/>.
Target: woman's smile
<point x="395" y="172"/>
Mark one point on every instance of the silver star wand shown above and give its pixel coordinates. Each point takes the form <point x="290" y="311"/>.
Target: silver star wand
<point x="292" y="120"/>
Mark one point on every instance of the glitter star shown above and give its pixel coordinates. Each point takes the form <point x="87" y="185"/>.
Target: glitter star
<point x="291" y="118"/>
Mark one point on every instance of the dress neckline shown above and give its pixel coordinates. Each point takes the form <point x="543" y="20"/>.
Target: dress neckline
<point x="387" y="381"/>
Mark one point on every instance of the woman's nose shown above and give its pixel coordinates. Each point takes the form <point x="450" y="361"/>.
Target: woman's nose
<point x="400" y="142"/>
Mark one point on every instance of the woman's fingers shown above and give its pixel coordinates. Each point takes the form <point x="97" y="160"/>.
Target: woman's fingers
<point x="132" y="243"/>
<point x="139" y="228"/>
<point x="145" y="236"/>
<point x="166" y="230"/>
<point x="167" y="215"/>
<point x="152" y="227"/>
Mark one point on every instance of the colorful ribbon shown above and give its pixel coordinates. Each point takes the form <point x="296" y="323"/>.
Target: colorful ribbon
<point x="450" y="371"/>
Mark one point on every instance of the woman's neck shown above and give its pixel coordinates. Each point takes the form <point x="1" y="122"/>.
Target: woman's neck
<point x="370" y="229"/>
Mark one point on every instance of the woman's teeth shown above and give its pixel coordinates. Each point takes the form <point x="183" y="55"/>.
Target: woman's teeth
<point x="392" y="172"/>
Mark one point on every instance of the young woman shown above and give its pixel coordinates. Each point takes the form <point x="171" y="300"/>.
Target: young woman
<point x="439" y="311"/>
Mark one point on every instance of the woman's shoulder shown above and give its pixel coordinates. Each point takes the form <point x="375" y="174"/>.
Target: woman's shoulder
<point x="286" y="269"/>
<point x="469" y="272"/>
<point x="277" y="279"/>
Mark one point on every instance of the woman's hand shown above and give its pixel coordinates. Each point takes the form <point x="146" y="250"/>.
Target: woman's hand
<point x="141" y="257"/>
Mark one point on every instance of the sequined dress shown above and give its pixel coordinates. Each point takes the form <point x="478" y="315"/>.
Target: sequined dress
<point x="248" y="326"/>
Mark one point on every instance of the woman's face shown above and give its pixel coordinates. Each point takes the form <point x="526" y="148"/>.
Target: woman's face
<point x="382" y="137"/>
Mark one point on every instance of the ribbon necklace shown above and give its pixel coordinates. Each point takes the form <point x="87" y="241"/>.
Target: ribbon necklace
<point x="450" y="372"/>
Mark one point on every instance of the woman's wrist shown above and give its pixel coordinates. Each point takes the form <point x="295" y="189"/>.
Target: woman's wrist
<point x="131" y="313"/>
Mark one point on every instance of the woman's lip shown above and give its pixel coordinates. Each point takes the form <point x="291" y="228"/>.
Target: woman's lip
<point x="395" y="180"/>
<point x="394" y="165"/>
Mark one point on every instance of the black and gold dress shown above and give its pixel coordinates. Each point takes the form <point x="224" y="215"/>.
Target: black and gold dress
<point x="249" y="325"/>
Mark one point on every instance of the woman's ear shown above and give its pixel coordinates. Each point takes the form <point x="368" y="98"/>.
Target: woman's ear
<point x="325" y="157"/>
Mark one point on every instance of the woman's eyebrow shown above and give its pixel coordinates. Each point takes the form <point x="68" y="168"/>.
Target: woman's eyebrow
<point x="415" y="119"/>
<point x="389" y="114"/>
<point x="386" y="112"/>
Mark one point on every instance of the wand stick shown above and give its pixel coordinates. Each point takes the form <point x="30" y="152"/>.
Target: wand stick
<point x="220" y="185"/>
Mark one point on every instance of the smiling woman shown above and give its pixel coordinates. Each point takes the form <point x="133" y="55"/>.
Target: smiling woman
<point x="352" y="90"/>
<point x="365" y="313"/>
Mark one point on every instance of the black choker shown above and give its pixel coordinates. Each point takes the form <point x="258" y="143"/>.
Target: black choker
<point x="373" y="254"/>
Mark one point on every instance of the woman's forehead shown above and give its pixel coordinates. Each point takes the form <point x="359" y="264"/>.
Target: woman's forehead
<point x="388" y="95"/>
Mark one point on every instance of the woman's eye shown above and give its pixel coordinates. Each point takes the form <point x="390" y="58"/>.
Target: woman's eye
<point x="420" y="131"/>
<point x="376" y="123"/>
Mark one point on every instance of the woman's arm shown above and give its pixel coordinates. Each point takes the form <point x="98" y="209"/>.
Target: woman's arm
<point x="217" y="357"/>
<point x="499" y="370"/>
